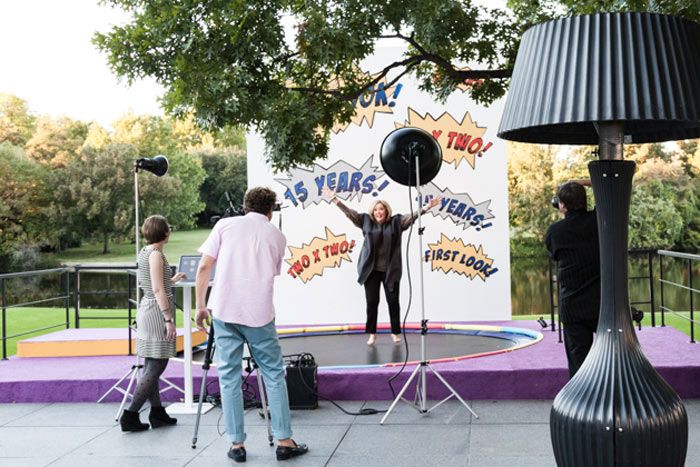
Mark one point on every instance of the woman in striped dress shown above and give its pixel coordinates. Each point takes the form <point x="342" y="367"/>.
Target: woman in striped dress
<point x="155" y="325"/>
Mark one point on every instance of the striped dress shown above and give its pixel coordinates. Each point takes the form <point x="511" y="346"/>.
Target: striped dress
<point x="150" y="325"/>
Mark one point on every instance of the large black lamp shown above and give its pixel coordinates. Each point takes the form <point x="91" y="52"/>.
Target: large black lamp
<point x="610" y="79"/>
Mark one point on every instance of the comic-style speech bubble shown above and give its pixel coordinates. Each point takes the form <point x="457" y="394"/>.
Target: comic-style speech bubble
<point x="453" y="255"/>
<point x="304" y="186"/>
<point x="459" y="207"/>
<point x="459" y="140"/>
<point x="312" y="258"/>
<point x="377" y="99"/>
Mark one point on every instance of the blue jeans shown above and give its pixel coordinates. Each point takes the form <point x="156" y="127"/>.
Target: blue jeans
<point x="266" y="350"/>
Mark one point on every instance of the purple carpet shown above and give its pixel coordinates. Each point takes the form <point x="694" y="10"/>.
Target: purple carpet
<point x="535" y="372"/>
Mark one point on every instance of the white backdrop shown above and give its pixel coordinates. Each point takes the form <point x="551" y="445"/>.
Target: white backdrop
<point x="469" y="282"/>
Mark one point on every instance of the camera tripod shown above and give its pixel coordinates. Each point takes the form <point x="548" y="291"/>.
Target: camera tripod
<point x="252" y="366"/>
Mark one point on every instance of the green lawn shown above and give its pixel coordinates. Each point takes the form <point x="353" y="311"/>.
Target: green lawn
<point x="181" y="243"/>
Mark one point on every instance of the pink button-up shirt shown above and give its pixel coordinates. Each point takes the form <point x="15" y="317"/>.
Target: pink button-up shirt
<point x="248" y="252"/>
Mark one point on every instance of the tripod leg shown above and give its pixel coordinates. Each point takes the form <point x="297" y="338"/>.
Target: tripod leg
<point x="202" y="396"/>
<point x="115" y="386"/>
<point x="127" y="393"/>
<point x="398" y="398"/>
<point x="439" y="376"/>
<point x="263" y="401"/>
<point x="203" y="387"/>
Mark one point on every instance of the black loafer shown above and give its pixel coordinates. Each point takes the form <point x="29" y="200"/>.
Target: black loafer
<point x="286" y="452"/>
<point x="237" y="454"/>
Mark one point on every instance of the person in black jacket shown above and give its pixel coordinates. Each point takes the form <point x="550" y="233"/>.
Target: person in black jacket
<point x="573" y="243"/>
<point x="380" y="258"/>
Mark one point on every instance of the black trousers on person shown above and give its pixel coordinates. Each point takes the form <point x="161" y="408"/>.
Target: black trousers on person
<point x="374" y="281"/>
<point x="578" y="339"/>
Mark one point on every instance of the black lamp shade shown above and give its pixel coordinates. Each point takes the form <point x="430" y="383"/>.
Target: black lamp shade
<point x="639" y="68"/>
<point x="157" y="165"/>
<point x="399" y="151"/>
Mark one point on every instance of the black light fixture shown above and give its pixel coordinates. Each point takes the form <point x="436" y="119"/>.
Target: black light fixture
<point x="157" y="165"/>
<point x="610" y="79"/>
<point x="412" y="157"/>
<point x="399" y="152"/>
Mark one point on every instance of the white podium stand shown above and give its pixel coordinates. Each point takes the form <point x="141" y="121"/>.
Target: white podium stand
<point x="187" y="406"/>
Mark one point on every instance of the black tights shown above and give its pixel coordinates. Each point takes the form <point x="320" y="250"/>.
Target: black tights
<point x="374" y="281"/>
<point x="148" y="387"/>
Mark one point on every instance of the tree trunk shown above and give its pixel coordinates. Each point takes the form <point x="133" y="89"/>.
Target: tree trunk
<point x="105" y="244"/>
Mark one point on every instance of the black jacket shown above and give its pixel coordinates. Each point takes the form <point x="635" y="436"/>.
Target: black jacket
<point x="573" y="244"/>
<point x="390" y="234"/>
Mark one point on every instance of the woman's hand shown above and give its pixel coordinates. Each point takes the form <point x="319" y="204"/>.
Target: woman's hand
<point x="433" y="202"/>
<point x="178" y="277"/>
<point x="328" y="194"/>
<point x="170" y="331"/>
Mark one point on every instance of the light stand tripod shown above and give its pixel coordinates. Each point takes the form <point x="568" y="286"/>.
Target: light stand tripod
<point x="409" y="144"/>
<point x="208" y="354"/>
<point x="159" y="167"/>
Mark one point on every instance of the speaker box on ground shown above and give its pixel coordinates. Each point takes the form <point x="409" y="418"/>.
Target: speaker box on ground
<point x="302" y="384"/>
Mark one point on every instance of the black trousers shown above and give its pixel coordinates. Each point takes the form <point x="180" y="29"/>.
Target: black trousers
<point x="578" y="339"/>
<point x="374" y="281"/>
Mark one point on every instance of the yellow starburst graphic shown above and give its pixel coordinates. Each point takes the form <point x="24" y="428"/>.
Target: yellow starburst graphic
<point x="453" y="255"/>
<point x="459" y="140"/>
<point x="379" y="99"/>
<point x="310" y="259"/>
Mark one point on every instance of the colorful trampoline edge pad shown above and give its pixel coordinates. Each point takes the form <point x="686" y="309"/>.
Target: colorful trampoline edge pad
<point x="532" y="337"/>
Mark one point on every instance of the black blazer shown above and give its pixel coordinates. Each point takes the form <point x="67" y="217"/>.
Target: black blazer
<point x="390" y="234"/>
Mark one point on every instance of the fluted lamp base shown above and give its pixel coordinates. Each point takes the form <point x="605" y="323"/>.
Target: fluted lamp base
<point x="617" y="410"/>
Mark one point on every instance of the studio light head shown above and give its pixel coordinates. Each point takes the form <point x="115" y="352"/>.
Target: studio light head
<point x="399" y="151"/>
<point x="157" y="165"/>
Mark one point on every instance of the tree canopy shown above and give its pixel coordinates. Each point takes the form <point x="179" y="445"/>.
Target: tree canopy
<point x="291" y="68"/>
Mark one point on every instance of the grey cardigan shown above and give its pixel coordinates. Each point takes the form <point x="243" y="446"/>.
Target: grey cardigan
<point x="390" y="233"/>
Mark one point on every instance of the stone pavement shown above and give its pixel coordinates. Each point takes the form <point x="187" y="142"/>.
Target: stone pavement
<point x="508" y="433"/>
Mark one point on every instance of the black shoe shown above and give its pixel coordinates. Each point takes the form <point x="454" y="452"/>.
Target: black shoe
<point x="159" y="417"/>
<point x="237" y="454"/>
<point x="130" y="421"/>
<point x="286" y="452"/>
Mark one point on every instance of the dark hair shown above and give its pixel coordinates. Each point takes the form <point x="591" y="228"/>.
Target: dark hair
<point x="155" y="229"/>
<point x="573" y="196"/>
<point x="259" y="199"/>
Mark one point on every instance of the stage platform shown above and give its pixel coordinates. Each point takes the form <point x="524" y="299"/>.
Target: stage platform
<point x="90" y="342"/>
<point x="535" y="372"/>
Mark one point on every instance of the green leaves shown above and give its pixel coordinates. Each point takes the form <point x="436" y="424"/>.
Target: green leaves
<point x="290" y="68"/>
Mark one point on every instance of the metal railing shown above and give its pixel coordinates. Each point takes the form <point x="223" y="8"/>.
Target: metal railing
<point x="75" y="293"/>
<point x="647" y="254"/>
<point x="689" y="260"/>
<point x="5" y="306"/>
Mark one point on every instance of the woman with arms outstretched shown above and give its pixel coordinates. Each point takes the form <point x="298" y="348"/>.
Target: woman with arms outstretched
<point x="380" y="257"/>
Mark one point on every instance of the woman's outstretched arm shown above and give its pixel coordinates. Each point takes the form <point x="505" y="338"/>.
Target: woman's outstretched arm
<point x="408" y="219"/>
<point x="354" y="216"/>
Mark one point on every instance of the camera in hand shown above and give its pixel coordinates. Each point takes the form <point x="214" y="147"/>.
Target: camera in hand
<point x="233" y="211"/>
<point x="555" y="202"/>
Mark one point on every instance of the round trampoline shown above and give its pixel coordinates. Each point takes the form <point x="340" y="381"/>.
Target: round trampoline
<point x="344" y="346"/>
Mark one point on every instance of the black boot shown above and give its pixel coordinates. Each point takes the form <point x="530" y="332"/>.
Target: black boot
<point x="159" y="417"/>
<point x="130" y="421"/>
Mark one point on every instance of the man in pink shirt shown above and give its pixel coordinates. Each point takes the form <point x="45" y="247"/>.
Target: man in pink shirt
<point x="248" y="253"/>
